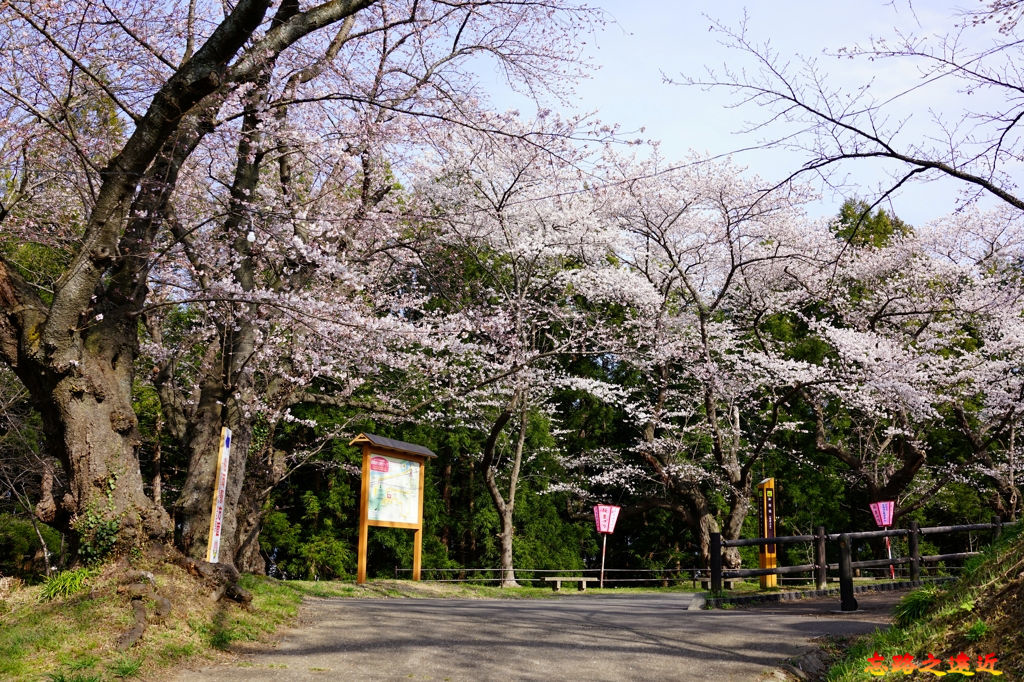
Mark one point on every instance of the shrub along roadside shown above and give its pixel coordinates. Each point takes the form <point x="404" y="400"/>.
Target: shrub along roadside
<point x="978" y="615"/>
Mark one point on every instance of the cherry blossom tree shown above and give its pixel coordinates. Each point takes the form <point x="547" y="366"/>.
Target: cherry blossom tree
<point x="519" y="243"/>
<point x="711" y="258"/>
<point x="982" y="383"/>
<point x="920" y="328"/>
<point x="329" y="229"/>
<point x="183" y="107"/>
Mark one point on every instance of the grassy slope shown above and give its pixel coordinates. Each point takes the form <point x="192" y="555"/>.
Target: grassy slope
<point x="981" y="614"/>
<point x="72" y="638"/>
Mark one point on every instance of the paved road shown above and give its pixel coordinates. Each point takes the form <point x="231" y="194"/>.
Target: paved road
<point x="649" y="637"/>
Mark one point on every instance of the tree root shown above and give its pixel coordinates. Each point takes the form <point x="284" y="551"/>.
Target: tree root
<point x="141" y="586"/>
<point x="222" y="579"/>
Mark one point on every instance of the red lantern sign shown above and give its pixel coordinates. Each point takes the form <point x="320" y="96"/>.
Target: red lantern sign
<point x="605" y="516"/>
<point x="882" y="511"/>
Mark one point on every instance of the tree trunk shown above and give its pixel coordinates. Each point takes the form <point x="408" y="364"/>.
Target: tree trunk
<point x="508" y="574"/>
<point x="91" y="428"/>
<point x="506" y="507"/>
<point x="739" y="507"/>
<point x="195" y="503"/>
<point x="705" y="525"/>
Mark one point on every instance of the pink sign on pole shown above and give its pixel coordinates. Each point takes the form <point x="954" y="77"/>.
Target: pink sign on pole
<point x="882" y="511"/>
<point x="605" y="516"/>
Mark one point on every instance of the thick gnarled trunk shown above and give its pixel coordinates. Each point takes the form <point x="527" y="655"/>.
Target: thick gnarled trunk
<point x="84" y="395"/>
<point x="94" y="432"/>
<point x="194" y="505"/>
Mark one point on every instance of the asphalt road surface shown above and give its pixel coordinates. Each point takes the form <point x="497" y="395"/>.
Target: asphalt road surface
<point x="644" y="637"/>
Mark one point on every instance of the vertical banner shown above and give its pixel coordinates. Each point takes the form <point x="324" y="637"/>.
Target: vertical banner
<point x="766" y="507"/>
<point x="220" y="487"/>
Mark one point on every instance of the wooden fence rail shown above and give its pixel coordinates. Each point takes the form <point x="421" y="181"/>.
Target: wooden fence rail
<point x="846" y="565"/>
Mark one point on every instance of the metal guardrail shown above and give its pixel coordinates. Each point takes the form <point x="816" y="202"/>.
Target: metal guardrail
<point x="535" y="574"/>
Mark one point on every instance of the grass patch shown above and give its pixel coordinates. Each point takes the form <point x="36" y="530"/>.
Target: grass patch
<point x="65" y="584"/>
<point x="977" y="615"/>
<point x="125" y="666"/>
<point x="67" y="636"/>
<point x="915" y="606"/>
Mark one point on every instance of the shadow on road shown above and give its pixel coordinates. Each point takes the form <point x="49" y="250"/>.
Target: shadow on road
<point x="649" y="637"/>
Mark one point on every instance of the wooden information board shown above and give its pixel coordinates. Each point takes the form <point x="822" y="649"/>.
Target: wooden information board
<point x="392" y="492"/>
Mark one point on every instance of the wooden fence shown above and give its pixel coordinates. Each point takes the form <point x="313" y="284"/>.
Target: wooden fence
<point x="846" y="564"/>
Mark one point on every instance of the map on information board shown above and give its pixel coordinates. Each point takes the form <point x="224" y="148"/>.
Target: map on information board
<point x="394" y="490"/>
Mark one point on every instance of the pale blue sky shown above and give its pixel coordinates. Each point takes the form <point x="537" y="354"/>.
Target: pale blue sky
<point x="649" y="39"/>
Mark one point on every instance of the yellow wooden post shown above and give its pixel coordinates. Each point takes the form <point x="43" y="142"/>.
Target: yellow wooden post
<point x="364" y="526"/>
<point x="767" y="557"/>
<point x="417" y="547"/>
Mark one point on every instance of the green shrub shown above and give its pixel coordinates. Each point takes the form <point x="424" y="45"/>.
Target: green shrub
<point x="976" y="631"/>
<point x="65" y="584"/>
<point x="915" y="606"/>
<point x="97" y="536"/>
<point x="19" y="544"/>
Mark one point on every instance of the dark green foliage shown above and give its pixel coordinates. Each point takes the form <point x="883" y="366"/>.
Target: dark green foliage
<point x="311" y="533"/>
<point x="546" y="539"/>
<point x="19" y="545"/>
<point x="655" y="539"/>
<point x="860" y="227"/>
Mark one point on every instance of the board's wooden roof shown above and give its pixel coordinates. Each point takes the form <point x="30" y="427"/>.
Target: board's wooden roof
<point x="392" y="444"/>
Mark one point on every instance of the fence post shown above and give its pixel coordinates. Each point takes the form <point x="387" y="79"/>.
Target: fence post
<point x="847" y="602"/>
<point x="915" y="552"/>
<point x="716" y="562"/>
<point x="998" y="521"/>
<point x="820" y="564"/>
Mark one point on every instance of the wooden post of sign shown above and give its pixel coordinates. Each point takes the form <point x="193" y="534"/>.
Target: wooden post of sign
<point x="364" y="506"/>
<point x="417" y="542"/>
<point x="716" y="562"/>
<point x="847" y="602"/>
<point x="820" y="562"/>
<point x="915" y="554"/>
<point x="391" y="464"/>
